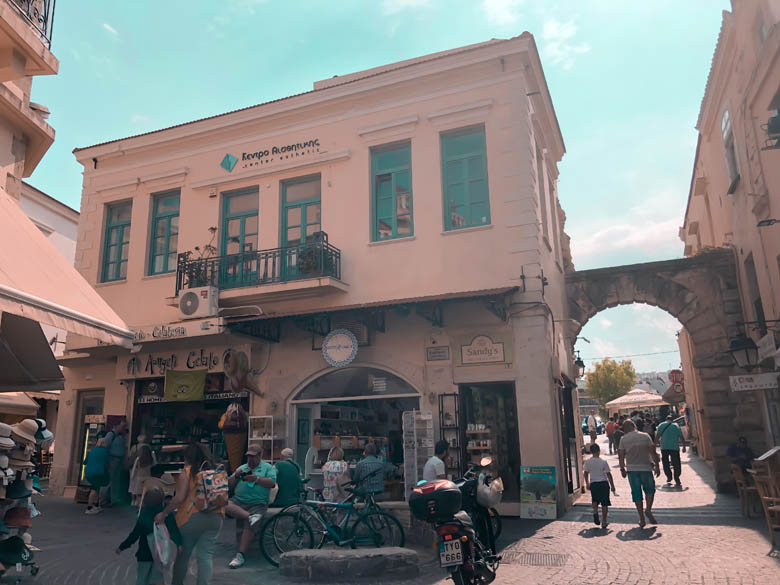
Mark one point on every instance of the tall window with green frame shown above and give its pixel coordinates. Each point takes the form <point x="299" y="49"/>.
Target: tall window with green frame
<point x="165" y="232"/>
<point x="391" y="169"/>
<point x="464" y="178"/>
<point x="116" y="242"/>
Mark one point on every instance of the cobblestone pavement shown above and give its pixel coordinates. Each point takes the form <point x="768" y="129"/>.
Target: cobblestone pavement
<point x="701" y="539"/>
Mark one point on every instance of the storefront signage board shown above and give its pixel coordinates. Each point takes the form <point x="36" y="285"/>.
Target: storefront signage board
<point x="481" y="349"/>
<point x="440" y="353"/>
<point x="538" y="493"/>
<point x="155" y="364"/>
<point x="187" y="386"/>
<point x="766" y="381"/>
<point x="766" y="347"/>
<point x="267" y="154"/>
<point x="339" y="348"/>
<point x="179" y="330"/>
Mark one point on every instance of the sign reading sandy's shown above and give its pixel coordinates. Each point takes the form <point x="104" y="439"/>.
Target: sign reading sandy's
<point x="484" y="349"/>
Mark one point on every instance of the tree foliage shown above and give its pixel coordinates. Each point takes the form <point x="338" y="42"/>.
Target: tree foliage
<point x="609" y="380"/>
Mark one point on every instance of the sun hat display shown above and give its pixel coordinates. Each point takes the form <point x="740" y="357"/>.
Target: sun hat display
<point x="5" y="430"/>
<point x="20" y="454"/>
<point x="17" y="490"/>
<point x="3" y="527"/>
<point x="23" y="464"/>
<point x="18" y="518"/>
<point x="25" y="431"/>
<point x="3" y="461"/>
<point x="6" y="442"/>
<point x="41" y="423"/>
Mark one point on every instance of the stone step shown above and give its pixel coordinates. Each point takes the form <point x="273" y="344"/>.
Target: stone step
<point x="395" y="563"/>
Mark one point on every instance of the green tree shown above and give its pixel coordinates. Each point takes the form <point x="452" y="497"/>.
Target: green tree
<point x="609" y="380"/>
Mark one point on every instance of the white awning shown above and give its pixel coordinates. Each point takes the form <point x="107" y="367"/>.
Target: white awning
<point x="17" y="403"/>
<point x="38" y="283"/>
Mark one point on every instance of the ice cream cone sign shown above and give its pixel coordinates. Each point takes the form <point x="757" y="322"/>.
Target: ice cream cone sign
<point x="238" y="376"/>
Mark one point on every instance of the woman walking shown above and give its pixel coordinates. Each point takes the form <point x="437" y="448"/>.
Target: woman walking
<point x="199" y="530"/>
<point x="335" y="473"/>
<point x="141" y="460"/>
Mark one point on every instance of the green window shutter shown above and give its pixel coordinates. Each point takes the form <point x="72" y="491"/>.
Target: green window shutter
<point x="464" y="178"/>
<point x="165" y="232"/>
<point x="116" y="241"/>
<point x="391" y="170"/>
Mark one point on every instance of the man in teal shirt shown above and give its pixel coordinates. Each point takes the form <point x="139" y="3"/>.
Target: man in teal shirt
<point x="252" y="484"/>
<point x="668" y="435"/>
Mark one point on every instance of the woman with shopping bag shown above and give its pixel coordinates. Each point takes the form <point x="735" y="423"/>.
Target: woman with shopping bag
<point x="199" y="503"/>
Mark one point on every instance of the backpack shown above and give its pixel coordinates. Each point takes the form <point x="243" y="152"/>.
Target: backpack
<point x="211" y="489"/>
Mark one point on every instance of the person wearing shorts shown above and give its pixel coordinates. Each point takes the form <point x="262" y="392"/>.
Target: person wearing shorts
<point x="96" y="474"/>
<point x="252" y="483"/>
<point x="598" y="479"/>
<point x="639" y="461"/>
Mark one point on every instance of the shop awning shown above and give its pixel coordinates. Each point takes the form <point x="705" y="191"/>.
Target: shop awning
<point x="26" y="360"/>
<point x="17" y="403"/>
<point x="53" y="395"/>
<point x="37" y="282"/>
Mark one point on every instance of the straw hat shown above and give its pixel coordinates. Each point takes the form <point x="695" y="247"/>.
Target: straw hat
<point x="25" y="431"/>
<point x="3" y="461"/>
<point x="17" y="490"/>
<point x="5" y="430"/>
<point x="20" y="454"/>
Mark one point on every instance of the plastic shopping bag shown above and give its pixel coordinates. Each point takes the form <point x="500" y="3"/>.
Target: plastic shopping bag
<point x="162" y="547"/>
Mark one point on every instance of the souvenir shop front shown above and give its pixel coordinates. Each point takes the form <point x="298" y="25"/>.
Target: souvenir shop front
<point x="180" y="396"/>
<point x="353" y="406"/>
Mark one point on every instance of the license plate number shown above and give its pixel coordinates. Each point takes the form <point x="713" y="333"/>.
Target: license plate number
<point x="450" y="553"/>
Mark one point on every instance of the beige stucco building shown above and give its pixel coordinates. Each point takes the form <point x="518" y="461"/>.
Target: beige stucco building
<point x="735" y="185"/>
<point x="410" y="210"/>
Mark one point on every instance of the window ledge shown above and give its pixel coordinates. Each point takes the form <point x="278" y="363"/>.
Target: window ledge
<point x="475" y="228"/>
<point x="392" y="241"/>
<point x="110" y="283"/>
<point x="153" y="276"/>
<point x="547" y="243"/>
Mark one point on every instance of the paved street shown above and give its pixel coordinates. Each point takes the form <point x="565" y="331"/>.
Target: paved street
<point x="701" y="539"/>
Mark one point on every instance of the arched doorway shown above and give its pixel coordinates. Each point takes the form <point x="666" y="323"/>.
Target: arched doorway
<point x="702" y="294"/>
<point x="350" y="407"/>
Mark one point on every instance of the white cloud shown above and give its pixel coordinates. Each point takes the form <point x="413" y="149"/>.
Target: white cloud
<point x="140" y="119"/>
<point x="502" y="12"/>
<point x="558" y="45"/>
<point x="246" y="7"/>
<point x="396" y="6"/>
<point x="110" y="28"/>
<point x="605" y="323"/>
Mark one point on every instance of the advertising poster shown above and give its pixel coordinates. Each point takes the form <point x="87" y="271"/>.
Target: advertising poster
<point x="538" y="493"/>
<point x="184" y="386"/>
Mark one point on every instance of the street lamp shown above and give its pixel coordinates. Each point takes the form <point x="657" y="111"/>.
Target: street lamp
<point x="744" y="351"/>
<point x="767" y="222"/>
<point x="580" y="365"/>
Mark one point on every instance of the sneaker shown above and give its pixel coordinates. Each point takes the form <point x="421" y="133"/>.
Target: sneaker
<point x="678" y="485"/>
<point x="604" y="525"/>
<point x="650" y="517"/>
<point x="596" y="520"/>
<point x="237" y="562"/>
<point x="93" y="510"/>
<point x="254" y="519"/>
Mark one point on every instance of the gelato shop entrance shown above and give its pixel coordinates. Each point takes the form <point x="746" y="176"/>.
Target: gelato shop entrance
<point x="349" y="408"/>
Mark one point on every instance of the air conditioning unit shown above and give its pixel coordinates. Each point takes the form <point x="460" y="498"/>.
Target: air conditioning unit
<point x="195" y="303"/>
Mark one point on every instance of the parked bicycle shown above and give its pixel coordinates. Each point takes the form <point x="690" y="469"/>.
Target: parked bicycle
<point x="312" y="523"/>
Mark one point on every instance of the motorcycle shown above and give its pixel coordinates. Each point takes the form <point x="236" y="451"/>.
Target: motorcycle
<point x="461" y="550"/>
<point x="479" y="501"/>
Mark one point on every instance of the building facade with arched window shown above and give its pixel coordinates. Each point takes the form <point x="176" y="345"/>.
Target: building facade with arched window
<point x="379" y="260"/>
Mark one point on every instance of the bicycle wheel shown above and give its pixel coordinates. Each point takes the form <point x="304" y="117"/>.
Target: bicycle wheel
<point x="376" y="529"/>
<point x="312" y="518"/>
<point x="284" y="533"/>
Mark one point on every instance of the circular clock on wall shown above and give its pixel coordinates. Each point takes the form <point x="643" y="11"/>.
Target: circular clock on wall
<point x="340" y="348"/>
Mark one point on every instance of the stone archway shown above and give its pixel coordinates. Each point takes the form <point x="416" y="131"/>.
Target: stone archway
<point x="702" y="293"/>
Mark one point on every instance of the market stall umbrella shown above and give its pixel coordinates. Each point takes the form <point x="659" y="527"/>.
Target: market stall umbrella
<point x="636" y="398"/>
<point x="38" y="283"/>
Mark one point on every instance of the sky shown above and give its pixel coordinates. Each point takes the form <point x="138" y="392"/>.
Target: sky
<point x="626" y="80"/>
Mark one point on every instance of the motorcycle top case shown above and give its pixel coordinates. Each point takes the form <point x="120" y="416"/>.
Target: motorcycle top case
<point x="435" y="500"/>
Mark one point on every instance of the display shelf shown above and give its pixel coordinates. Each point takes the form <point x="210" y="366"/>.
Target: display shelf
<point x="481" y="432"/>
<point x="479" y="448"/>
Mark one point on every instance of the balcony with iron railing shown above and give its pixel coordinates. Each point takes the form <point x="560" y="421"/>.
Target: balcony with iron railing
<point x="310" y="266"/>
<point x="39" y="14"/>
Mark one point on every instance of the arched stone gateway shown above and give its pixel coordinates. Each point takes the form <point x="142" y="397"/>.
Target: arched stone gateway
<point x="702" y="293"/>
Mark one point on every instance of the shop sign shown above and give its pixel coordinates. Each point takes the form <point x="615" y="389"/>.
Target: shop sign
<point x="766" y="381"/>
<point x="485" y="349"/>
<point x="538" y="495"/>
<point x="179" y="330"/>
<point x="186" y="386"/>
<point x="766" y="347"/>
<point x="155" y="364"/>
<point x="269" y="154"/>
<point x="339" y="348"/>
<point x="440" y="353"/>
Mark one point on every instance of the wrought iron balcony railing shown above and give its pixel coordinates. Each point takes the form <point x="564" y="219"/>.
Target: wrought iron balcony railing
<point x="40" y="14"/>
<point x="315" y="258"/>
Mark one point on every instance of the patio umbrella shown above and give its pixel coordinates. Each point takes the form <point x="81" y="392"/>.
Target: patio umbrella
<point x="636" y="398"/>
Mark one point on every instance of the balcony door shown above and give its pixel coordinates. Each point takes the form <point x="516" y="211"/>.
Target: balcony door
<point x="239" y="238"/>
<point x="301" y="212"/>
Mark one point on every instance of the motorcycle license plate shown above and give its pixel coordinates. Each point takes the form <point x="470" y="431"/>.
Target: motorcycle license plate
<point x="450" y="553"/>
